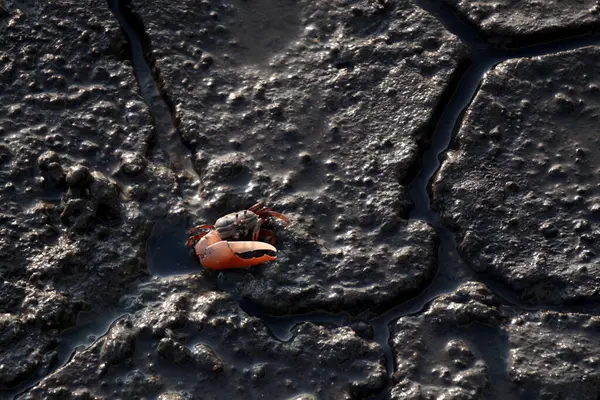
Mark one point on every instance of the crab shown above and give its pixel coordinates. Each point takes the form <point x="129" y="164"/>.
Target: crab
<point x="224" y="245"/>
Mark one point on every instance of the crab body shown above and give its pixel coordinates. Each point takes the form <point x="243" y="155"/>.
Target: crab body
<point x="238" y="225"/>
<point x="219" y="246"/>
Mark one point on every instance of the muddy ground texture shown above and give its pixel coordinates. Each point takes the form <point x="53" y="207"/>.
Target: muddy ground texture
<point x="325" y="110"/>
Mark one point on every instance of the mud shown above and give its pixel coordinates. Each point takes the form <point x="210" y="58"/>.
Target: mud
<point x="471" y="344"/>
<point x="185" y="340"/>
<point x="530" y="203"/>
<point x="125" y="123"/>
<point x="516" y="24"/>
<point x="70" y="241"/>
<point x="290" y="127"/>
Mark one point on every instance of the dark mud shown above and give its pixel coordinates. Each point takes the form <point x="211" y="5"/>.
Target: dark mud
<point x="70" y="242"/>
<point x="456" y="347"/>
<point x="167" y="137"/>
<point x="203" y="346"/>
<point x="453" y="270"/>
<point x="478" y="338"/>
<point x="252" y="141"/>
<point x="510" y="24"/>
<point x="513" y="243"/>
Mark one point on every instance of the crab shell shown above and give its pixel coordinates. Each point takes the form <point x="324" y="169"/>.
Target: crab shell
<point x="238" y="224"/>
<point x="216" y="254"/>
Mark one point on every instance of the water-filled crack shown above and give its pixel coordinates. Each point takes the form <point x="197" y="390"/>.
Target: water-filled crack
<point x="484" y="58"/>
<point x="89" y="328"/>
<point x="472" y="34"/>
<point x="167" y="132"/>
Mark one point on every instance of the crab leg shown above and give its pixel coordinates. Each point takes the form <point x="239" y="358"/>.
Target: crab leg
<point x="257" y="206"/>
<point x="276" y="215"/>
<point x="195" y="238"/>
<point x="199" y="228"/>
<point x="256" y="230"/>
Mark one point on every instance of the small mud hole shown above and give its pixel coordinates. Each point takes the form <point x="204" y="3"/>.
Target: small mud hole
<point x="166" y="250"/>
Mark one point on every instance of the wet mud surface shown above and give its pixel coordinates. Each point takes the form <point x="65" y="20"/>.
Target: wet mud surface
<point x="203" y="345"/>
<point x="512" y="23"/>
<point x="124" y="123"/>
<point x="292" y="127"/>
<point x="532" y="201"/>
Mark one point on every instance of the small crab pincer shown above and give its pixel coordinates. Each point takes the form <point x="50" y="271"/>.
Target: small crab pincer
<point x="225" y="245"/>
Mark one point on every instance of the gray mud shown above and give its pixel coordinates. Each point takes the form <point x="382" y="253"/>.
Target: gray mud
<point x="519" y="23"/>
<point x="527" y="214"/>
<point x="290" y="125"/>
<point x="71" y="124"/>
<point x="181" y="338"/>
<point x="124" y="123"/>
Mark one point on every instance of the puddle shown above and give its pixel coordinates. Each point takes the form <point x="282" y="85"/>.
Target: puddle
<point x="166" y="250"/>
<point x="88" y="328"/>
<point x="281" y="327"/>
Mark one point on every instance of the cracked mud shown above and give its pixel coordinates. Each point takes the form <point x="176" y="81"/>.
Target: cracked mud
<point x="528" y="22"/>
<point x="528" y="213"/>
<point x="124" y="123"/>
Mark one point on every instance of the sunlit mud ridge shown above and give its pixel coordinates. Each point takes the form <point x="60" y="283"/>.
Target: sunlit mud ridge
<point x="441" y="191"/>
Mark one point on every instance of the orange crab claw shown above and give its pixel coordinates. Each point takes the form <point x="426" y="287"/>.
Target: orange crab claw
<point x="225" y="255"/>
